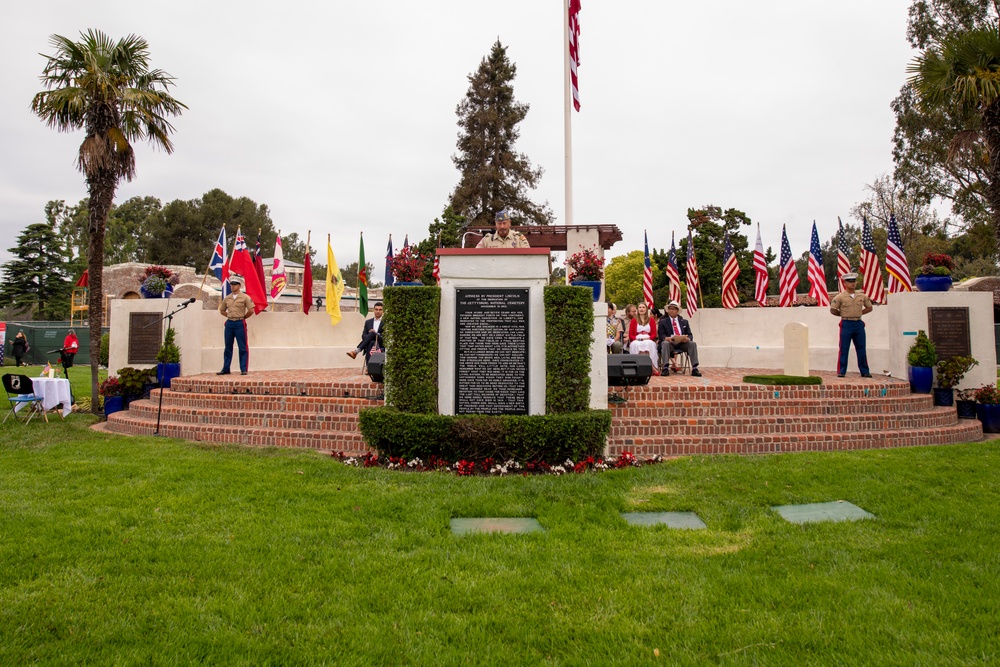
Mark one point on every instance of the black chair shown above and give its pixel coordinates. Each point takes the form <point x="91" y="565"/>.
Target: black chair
<point x="20" y="391"/>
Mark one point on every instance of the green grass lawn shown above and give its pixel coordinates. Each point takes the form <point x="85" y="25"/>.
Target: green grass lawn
<point x="119" y="550"/>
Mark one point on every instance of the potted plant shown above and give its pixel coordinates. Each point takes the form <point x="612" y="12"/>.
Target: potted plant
<point x="935" y="274"/>
<point x="136" y="383"/>
<point x="408" y="265"/>
<point x="949" y="373"/>
<point x="966" y="404"/>
<point x="988" y="408"/>
<point x="169" y="358"/>
<point x="111" y="390"/>
<point x="157" y="282"/>
<point x="921" y="358"/>
<point x="586" y="269"/>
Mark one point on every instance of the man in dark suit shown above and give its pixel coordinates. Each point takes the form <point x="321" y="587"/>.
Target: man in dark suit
<point x="371" y="336"/>
<point x="674" y="335"/>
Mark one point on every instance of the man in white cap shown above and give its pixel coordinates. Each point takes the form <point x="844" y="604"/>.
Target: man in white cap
<point x="504" y="237"/>
<point x="850" y="305"/>
<point x="236" y="308"/>
<point x="674" y="334"/>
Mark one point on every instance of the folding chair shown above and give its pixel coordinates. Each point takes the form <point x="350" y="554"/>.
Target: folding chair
<point x="20" y="391"/>
<point x="682" y="361"/>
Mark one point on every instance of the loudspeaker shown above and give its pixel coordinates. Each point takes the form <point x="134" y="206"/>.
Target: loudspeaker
<point x="375" y="363"/>
<point x="629" y="369"/>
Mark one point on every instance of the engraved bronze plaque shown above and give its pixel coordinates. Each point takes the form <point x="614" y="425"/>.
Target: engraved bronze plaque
<point x="491" y="364"/>
<point x="949" y="331"/>
<point x="145" y="331"/>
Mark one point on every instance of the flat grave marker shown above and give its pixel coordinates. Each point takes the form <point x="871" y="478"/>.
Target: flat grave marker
<point x="684" y="520"/>
<point x="838" y="510"/>
<point x="509" y="525"/>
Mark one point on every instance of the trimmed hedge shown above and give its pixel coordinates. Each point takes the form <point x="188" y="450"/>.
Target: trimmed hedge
<point x="782" y="379"/>
<point x="553" y="438"/>
<point x="569" y="328"/>
<point x="411" y="333"/>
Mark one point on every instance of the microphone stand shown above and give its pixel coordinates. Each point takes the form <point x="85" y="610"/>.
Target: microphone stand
<point x="169" y="317"/>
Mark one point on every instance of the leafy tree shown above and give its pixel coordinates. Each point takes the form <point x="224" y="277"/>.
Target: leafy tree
<point x="128" y="232"/>
<point x="494" y="176"/>
<point x="350" y="273"/>
<point x="710" y="225"/>
<point x="36" y="280"/>
<point x="293" y="249"/>
<point x="107" y="89"/>
<point x="623" y="278"/>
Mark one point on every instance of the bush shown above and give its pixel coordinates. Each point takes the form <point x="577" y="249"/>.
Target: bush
<point x="411" y="339"/>
<point x="922" y="353"/>
<point x="478" y="437"/>
<point x="133" y="380"/>
<point x="951" y="371"/>
<point x="105" y="349"/>
<point x="569" y="329"/>
<point x="169" y="352"/>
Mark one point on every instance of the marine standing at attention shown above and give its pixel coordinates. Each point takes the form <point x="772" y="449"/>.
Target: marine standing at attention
<point x="236" y="308"/>
<point x="850" y="305"/>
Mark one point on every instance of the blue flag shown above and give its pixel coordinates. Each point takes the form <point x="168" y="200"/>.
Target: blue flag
<point x="219" y="261"/>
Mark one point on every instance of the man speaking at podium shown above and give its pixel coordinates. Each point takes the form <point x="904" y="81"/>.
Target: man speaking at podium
<point x="504" y="237"/>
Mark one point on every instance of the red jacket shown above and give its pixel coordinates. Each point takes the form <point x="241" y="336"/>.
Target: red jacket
<point x="633" y="328"/>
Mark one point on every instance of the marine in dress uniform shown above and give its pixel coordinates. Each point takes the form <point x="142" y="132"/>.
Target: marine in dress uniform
<point x="504" y="237"/>
<point x="236" y="308"/>
<point x="850" y="305"/>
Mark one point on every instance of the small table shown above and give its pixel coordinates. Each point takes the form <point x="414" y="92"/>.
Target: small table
<point x="52" y="391"/>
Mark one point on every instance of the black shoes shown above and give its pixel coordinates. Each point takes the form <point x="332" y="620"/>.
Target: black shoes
<point x="840" y="375"/>
<point x="695" y="373"/>
<point x="243" y="372"/>
<point x="866" y="375"/>
<point x="223" y="373"/>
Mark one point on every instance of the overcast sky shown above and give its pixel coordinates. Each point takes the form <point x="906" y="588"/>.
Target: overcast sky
<point x="340" y="116"/>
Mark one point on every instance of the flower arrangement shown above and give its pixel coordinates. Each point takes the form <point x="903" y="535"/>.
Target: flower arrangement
<point x="988" y="395"/>
<point x="936" y="264"/>
<point x="408" y="264"/>
<point x="489" y="466"/>
<point x="585" y="265"/>
<point x="161" y="271"/>
<point x="951" y="371"/>
<point x="110" y="387"/>
<point x="154" y="285"/>
<point x="922" y="353"/>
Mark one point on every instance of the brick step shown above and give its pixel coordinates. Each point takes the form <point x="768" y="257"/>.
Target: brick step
<point x="258" y="385"/>
<point x="965" y="430"/>
<point x="624" y="427"/>
<point x="347" y="442"/>
<point x="772" y="407"/>
<point x="269" y="403"/>
<point x="345" y="419"/>
<point x="719" y="392"/>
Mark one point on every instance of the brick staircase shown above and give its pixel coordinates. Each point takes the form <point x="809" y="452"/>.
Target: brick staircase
<point x="670" y="416"/>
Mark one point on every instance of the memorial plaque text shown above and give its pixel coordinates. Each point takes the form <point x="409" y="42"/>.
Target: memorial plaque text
<point x="144" y="337"/>
<point x="949" y="331"/>
<point x="491" y="369"/>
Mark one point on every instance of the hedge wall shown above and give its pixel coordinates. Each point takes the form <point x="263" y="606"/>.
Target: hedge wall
<point x="411" y="336"/>
<point x="569" y="329"/>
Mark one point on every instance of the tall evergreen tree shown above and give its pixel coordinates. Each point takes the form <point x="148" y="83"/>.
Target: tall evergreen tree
<point x="494" y="175"/>
<point x="36" y="281"/>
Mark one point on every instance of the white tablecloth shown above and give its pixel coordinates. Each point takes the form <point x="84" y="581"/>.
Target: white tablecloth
<point x="52" y="391"/>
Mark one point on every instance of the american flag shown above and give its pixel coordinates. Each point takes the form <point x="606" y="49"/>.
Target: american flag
<point x="843" y="253"/>
<point x="817" y="277"/>
<point x="760" y="268"/>
<point x="730" y="272"/>
<point x="647" y="274"/>
<point x="788" y="275"/>
<point x="218" y="264"/>
<point x="895" y="261"/>
<point x="691" y="271"/>
<point x="673" y="275"/>
<point x="437" y="263"/>
<point x="574" y="49"/>
<point x="389" y="280"/>
<point x="872" y="286"/>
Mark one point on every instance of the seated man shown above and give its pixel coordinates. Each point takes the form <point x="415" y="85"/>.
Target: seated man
<point x="371" y="336"/>
<point x="674" y="335"/>
<point x="615" y="330"/>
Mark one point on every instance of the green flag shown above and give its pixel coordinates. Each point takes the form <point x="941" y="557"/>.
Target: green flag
<point x="362" y="280"/>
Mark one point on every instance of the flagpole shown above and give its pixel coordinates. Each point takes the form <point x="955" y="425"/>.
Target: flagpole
<point x="567" y="118"/>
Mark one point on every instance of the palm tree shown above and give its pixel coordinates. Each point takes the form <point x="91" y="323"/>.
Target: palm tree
<point x="107" y="89"/>
<point x="963" y="68"/>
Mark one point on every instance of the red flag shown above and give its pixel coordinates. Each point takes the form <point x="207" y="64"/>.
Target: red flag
<point x="242" y="263"/>
<point x="574" y="49"/>
<point x="307" y="283"/>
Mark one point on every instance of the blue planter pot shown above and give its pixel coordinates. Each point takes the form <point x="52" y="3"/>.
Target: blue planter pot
<point x="113" y="404"/>
<point x="989" y="415"/>
<point x="933" y="283"/>
<point x="408" y="283"/>
<point x="148" y="295"/>
<point x="944" y="397"/>
<point x="921" y="378"/>
<point x="966" y="409"/>
<point x="167" y="372"/>
<point x="592" y="284"/>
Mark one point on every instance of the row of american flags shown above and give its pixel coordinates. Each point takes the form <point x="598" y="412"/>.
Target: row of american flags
<point x="897" y="269"/>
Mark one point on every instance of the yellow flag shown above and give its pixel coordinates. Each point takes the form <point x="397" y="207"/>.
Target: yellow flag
<point x="334" y="285"/>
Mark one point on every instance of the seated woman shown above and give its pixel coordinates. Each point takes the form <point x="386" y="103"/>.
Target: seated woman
<point x="642" y="333"/>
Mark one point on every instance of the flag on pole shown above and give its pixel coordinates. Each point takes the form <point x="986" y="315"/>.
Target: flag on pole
<point x="730" y="272"/>
<point x="873" y="285"/>
<point x="334" y="285"/>
<point x="788" y="275"/>
<point x="258" y="265"/>
<point x="437" y="262"/>
<point x="691" y="272"/>
<point x="647" y="274"/>
<point x="574" y="49"/>
<point x="817" y="277"/>
<point x="843" y="256"/>
<point x="389" y="280"/>
<point x="278" y="277"/>
<point x="760" y="268"/>
<point x="673" y="275"/>
<point x="240" y="262"/>
<point x="362" y="281"/>
<point x="307" y="280"/>
<point x="895" y="261"/>
<point x="219" y="263"/>
<point x="406" y="240"/>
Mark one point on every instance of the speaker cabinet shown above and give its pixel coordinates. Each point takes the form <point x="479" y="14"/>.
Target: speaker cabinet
<point x="629" y="369"/>
<point x="375" y="363"/>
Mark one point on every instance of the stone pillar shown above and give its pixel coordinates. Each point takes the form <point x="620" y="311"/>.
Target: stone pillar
<point x="796" y="349"/>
